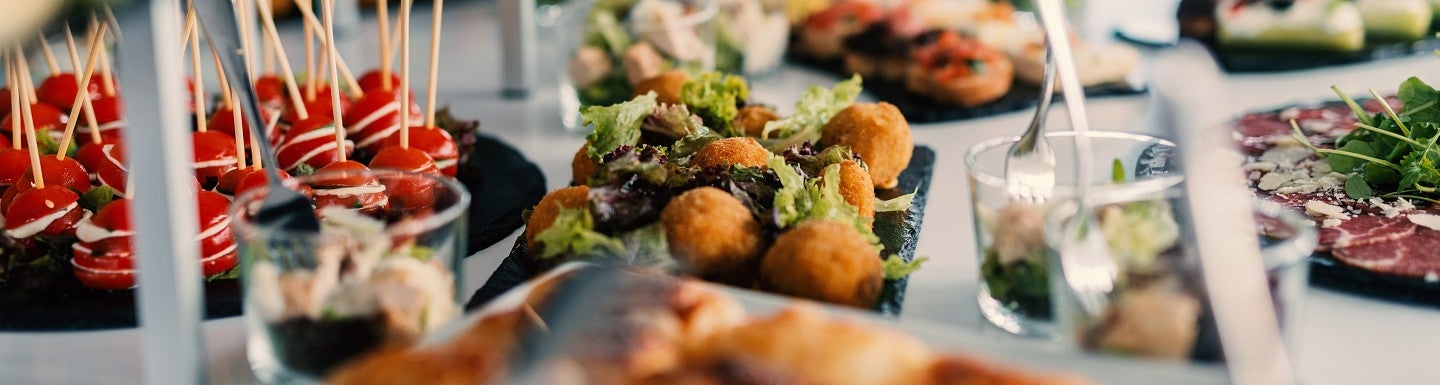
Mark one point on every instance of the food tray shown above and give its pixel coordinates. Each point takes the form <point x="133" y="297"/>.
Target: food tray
<point x="1032" y="354"/>
<point x="1279" y="60"/>
<point x="898" y="231"/>
<point x="921" y="109"/>
<point x="494" y="213"/>
<point x="1328" y="272"/>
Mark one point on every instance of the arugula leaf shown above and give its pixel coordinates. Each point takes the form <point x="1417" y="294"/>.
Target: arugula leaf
<point x="716" y="99"/>
<point x="616" y="125"/>
<point x="814" y="109"/>
<point x="1346" y="163"/>
<point x="573" y="234"/>
<point x="98" y="197"/>
<point x="1419" y="101"/>
<point x="1355" y="187"/>
<point x="897" y="268"/>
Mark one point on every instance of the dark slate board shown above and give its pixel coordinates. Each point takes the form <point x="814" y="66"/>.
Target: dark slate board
<point x="502" y="183"/>
<point x="898" y="231"/>
<point x="922" y="109"/>
<point x="1328" y="272"/>
<point x="1263" y="61"/>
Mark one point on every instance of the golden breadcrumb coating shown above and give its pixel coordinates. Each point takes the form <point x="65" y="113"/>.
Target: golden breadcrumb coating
<point x="878" y="133"/>
<point x="856" y="187"/>
<point x="666" y="86"/>
<point x="824" y="260"/>
<point x="549" y="207"/>
<point x="712" y="234"/>
<point x="821" y="349"/>
<point x="726" y="152"/>
<point x="582" y="167"/>
<point x="752" y="119"/>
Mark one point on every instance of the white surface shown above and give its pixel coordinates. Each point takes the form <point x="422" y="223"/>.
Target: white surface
<point x="1345" y="339"/>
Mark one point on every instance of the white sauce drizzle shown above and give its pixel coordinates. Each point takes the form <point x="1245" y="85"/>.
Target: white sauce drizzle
<point x="39" y="224"/>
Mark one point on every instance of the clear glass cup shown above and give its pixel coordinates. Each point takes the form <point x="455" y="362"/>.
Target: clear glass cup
<point x="379" y="273"/>
<point x="1015" y="288"/>
<point x="1158" y="308"/>
<point x="605" y="52"/>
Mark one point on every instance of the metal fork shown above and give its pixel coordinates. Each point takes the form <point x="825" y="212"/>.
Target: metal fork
<point x="1030" y="163"/>
<point x="1088" y="267"/>
<point x="284" y="211"/>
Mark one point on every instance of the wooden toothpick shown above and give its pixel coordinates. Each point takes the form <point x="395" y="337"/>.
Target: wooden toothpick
<point x="89" y="109"/>
<point x="81" y="98"/>
<point x="225" y="90"/>
<point x="349" y="77"/>
<point x="333" y="54"/>
<point x="15" y="95"/>
<point x="434" y="64"/>
<point x="50" y="62"/>
<point x="267" y="23"/>
<point x="405" y="72"/>
<point x="28" y="118"/>
<point x="107" y="80"/>
<point x="382" y="12"/>
<point x="199" y="76"/>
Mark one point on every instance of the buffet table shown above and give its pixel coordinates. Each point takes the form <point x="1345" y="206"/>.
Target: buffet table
<point x="1344" y="338"/>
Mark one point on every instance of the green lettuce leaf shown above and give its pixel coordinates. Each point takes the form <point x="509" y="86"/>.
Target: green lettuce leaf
<point x="574" y="234"/>
<point x="799" y="200"/>
<point x="814" y="109"/>
<point x="715" y="98"/>
<point x="900" y="203"/>
<point x="896" y="267"/>
<point x="98" y="197"/>
<point x="616" y="125"/>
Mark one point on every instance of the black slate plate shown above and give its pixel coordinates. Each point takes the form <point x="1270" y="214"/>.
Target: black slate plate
<point x="898" y="231"/>
<point x="921" y="109"/>
<point x="502" y="183"/>
<point x="1328" y="272"/>
<point x="1262" y="61"/>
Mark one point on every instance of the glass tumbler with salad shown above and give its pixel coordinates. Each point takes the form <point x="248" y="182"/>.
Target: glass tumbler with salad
<point x="612" y="45"/>
<point x="1158" y="307"/>
<point x="1015" y="287"/>
<point x="381" y="271"/>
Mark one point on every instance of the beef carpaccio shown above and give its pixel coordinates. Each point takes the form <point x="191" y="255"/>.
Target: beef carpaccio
<point x="1391" y="236"/>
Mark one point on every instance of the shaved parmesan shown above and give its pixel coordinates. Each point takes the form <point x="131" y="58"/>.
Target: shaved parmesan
<point x="1431" y="221"/>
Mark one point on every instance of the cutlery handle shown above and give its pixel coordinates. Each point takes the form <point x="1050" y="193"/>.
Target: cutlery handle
<point x="222" y="30"/>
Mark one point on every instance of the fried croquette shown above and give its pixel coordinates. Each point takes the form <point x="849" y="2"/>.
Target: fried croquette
<point x="582" y="167"/>
<point x="856" y="187"/>
<point x="549" y="207"/>
<point x="821" y="349"/>
<point x="752" y="119"/>
<point x="712" y="234"/>
<point x="878" y="133"/>
<point x="826" y="261"/>
<point x="666" y="86"/>
<point x="731" y="151"/>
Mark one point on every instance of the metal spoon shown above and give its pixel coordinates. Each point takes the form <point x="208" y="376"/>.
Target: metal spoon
<point x="1088" y="267"/>
<point x="284" y="210"/>
<point x="1030" y="163"/>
